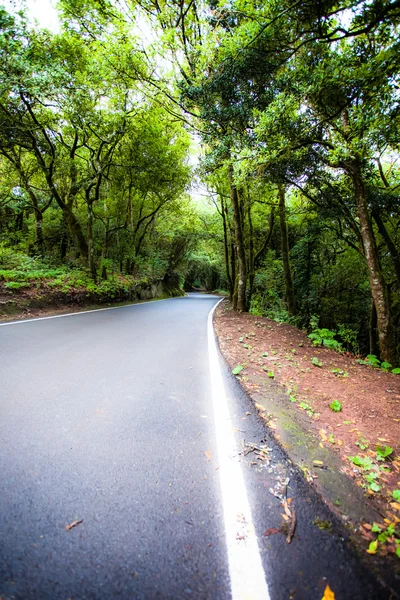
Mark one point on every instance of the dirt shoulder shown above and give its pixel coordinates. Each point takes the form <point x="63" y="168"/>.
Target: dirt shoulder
<point x="352" y="456"/>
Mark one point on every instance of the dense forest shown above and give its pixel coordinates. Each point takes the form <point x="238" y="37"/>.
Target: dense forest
<point x="293" y="110"/>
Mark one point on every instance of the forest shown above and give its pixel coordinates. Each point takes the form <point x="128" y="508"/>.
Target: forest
<point x="285" y="115"/>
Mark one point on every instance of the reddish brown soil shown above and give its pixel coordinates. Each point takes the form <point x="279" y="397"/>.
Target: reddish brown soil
<point x="370" y="397"/>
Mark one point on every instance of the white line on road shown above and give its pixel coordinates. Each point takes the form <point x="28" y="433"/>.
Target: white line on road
<point x="245" y="567"/>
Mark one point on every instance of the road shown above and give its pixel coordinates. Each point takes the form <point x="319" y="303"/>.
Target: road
<point x="115" y="417"/>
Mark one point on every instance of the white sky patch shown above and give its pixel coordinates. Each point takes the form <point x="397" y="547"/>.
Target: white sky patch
<point x="42" y="11"/>
<point x="245" y="566"/>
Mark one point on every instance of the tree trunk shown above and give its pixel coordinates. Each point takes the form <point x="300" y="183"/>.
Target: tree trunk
<point x="226" y="247"/>
<point x="252" y="272"/>
<point x="373" y="342"/>
<point x="91" y="257"/>
<point x="75" y="231"/>
<point x="394" y="252"/>
<point x="241" y="304"/>
<point x="38" y="218"/>
<point x="377" y="283"/>
<point x="289" y="289"/>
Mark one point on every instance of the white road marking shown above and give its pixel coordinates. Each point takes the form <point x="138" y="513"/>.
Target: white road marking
<point x="245" y="567"/>
<point x="84" y="312"/>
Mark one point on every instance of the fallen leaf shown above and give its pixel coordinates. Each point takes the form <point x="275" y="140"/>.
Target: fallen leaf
<point x="328" y="594"/>
<point x="73" y="524"/>
<point x="271" y="531"/>
<point x="292" y="527"/>
<point x="286" y="507"/>
<point x="373" y="547"/>
<point x="207" y="453"/>
<point x="285" y="517"/>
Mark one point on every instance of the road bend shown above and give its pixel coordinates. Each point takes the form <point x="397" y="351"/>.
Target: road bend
<point x="126" y="422"/>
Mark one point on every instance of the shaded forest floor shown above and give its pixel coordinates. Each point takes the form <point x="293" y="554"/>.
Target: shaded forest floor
<point x="364" y="435"/>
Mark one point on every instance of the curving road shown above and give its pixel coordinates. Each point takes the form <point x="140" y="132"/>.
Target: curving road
<point x="115" y="417"/>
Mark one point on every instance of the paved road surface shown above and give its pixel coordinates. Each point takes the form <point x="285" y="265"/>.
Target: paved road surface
<point x="109" y="417"/>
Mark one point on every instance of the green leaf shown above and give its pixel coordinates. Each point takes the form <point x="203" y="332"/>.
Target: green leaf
<point x="316" y="362"/>
<point x="373" y="547"/>
<point x="361" y="461"/>
<point x="396" y="371"/>
<point x="374" y="487"/>
<point x="336" y="406"/>
<point x="383" y="452"/>
<point x="396" y="495"/>
<point x="271" y="374"/>
<point x="237" y="369"/>
<point x="376" y="528"/>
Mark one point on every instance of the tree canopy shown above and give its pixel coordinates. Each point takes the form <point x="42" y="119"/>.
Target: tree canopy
<point x="293" y="109"/>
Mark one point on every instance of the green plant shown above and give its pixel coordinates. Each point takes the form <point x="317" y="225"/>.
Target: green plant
<point x="370" y="360"/>
<point x="362" y="443"/>
<point x="382" y="452"/>
<point x="386" y="366"/>
<point x="237" y="369"/>
<point x="371" y="471"/>
<point x="388" y="536"/>
<point x="316" y="362"/>
<point x="324" y="337"/>
<point x="305" y="406"/>
<point x="271" y="374"/>
<point x="15" y="285"/>
<point x="396" y="371"/>
<point x="348" y="337"/>
<point x="339" y="373"/>
<point x="336" y="406"/>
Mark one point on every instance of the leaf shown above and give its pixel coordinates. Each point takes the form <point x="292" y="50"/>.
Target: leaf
<point x="374" y="487"/>
<point x="336" y="406"/>
<point x="237" y="369"/>
<point x="73" y="524"/>
<point x="373" y="547"/>
<point x="271" y="374"/>
<point x="375" y="528"/>
<point x="383" y="452"/>
<point x="396" y="494"/>
<point x="316" y="362"/>
<point x="361" y="461"/>
<point x="207" y="453"/>
<point x="271" y="531"/>
<point x="396" y="371"/>
<point x="328" y="594"/>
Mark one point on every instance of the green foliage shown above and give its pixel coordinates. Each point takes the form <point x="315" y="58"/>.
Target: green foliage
<point x="339" y="373"/>
<point x="335" y="406"/>
<point x="371" y="360"/>
<point x="324" y="337"/>
<point x="382" y="452"/>
<point x="316" y="362"/>
<point x="237" y="369"/>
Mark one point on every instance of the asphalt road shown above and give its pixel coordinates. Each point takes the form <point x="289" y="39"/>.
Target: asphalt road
<point x="109" y="417"/>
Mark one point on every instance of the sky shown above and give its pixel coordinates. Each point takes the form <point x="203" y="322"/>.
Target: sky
<point x="43" y="11"/>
